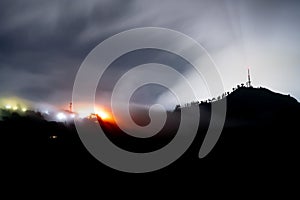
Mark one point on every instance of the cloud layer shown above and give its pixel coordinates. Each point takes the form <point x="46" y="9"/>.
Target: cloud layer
<point x="42" y="43"/>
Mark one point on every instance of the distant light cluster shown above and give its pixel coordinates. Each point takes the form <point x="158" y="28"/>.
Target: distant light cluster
<point x="15" y="108"/>
<point x="61" y="116"/>
<point x="50" y="113"/>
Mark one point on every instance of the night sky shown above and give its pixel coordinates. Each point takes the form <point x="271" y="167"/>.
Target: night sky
<point x="43" y="43"/>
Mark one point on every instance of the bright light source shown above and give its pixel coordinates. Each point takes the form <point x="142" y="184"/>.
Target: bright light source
<point x="46" y="112"/>
<point x="8" y="106"/>
<point x="103" y="114"/>
<point x="24" y="109"/>
<point x="15" y="108"/>
<point x="61" y="116"/>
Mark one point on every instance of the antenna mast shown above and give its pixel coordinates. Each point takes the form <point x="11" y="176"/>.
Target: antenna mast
<point x="70" y="107"/>
<point x="249" y="79"/>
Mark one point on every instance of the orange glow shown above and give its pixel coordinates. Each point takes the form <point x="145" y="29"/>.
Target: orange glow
<point x="103" y="114"/>
<point x="90" y="111"/>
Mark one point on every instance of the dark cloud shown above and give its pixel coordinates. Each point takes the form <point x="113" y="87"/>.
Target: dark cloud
<point x="39" y="93"/>
<point x="39" y="48"/>
<point x="42" y="43"/>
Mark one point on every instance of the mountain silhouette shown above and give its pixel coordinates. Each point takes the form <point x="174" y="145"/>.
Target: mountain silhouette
<point x="260" y="133"/>
<point x="259" y="121"/>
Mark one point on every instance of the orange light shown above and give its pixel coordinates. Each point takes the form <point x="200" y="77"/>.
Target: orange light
<point x="103" y="114"/>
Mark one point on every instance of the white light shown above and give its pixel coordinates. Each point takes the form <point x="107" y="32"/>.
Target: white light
<point x="46" y="112"/>
<point x="61" y="116"/>
<point x="8" y="106"/>
<point x="24" y="109"/>
<point x="15" y="108"/>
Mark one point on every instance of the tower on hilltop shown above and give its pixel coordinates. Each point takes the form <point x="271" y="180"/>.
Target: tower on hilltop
<point x="70" y="107"/>
<point x="249" y="79"/>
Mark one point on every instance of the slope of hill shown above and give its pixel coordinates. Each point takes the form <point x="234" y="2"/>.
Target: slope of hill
<point x="260" y="116"/>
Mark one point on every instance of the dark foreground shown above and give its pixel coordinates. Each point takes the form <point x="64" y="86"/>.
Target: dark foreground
<point x="259" y="143"/>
